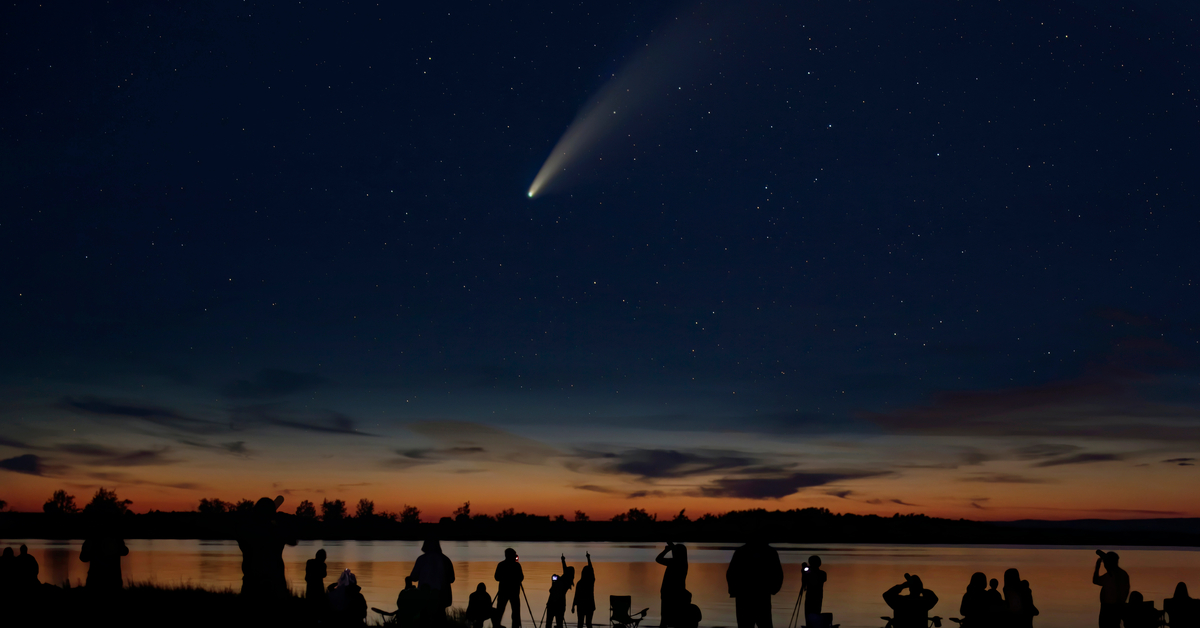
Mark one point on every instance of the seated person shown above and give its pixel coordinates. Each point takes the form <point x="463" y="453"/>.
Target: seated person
<point x="479" y="606"/>
<point x="1182" y="610"/>
<point x="1140" y="613"/>
<point x="912" y="610"/>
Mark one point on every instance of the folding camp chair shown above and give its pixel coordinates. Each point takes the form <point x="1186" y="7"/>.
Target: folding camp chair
<point x="618" y="612"/>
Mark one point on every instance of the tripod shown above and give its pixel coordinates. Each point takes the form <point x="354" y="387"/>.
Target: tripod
<point x="796" y="614"/>
<point x="536" y="623"/>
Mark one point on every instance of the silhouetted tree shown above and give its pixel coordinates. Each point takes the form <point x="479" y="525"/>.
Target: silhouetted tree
<point x="59" y="504"/>
<point x="306" y="510"/>
<point x="3" y="504"/>
<point x="365" y="510"/>
<point x="581" y="516"/>
<point x="244" y="505"/>
<point x="214" y="506"/>
<point x="682" y="517"/>
<point x="560" y="519"/>
<point x="389" y="515"/>
<point x="333" y="510"/>
<point x="410" y="514"/>
<point x="635" y="515"/>
<point x="483" y="518"/>
<point x="463" y="513"/>
<point x="507" y="513"/>
<point x="106" y="502"/>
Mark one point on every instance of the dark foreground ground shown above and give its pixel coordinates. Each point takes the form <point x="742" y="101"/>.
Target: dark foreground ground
<point x="156" y="606"/>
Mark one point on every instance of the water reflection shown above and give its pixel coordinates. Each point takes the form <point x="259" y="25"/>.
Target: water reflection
<point x="858" y="574"/>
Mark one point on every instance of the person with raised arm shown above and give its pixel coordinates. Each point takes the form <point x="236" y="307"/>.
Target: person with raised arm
<point x="584" y="603"/>
<point x="1114" y="588"/>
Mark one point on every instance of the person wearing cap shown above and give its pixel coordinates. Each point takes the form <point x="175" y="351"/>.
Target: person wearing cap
<point x="1114" y="588"/>
<point x="510" y="576"/>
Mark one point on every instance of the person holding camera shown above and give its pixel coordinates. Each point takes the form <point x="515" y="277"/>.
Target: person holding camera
<point x="673" y="592"/>
<point x="1114" y="588"/>
<point x="556" y="606"/>
<point x="812" y="582"/>
<point x="912" y="610"/>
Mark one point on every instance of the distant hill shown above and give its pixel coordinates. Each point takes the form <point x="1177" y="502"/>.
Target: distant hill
<point x="809" y="525"/>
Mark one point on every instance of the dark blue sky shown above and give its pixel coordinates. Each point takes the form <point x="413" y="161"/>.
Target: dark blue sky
<point x="957" y="234"/>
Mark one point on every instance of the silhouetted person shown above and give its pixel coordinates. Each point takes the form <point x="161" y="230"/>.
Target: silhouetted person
<point x="103" y="553"/>
<point x="509" y="576"/>
<point x="433" y="574"/>
<point x="978" y="609"/>
<point x="479" y="606"/>
<point x="584" y="602"/>
<point x="409" y="605"/>
<point x="753" y="576"/>
<point x="1018" y="600"/>
<point x="347" y="606"/>
<point x="25" y="571"/>
<point x="912" y="610"/>
<point x="1140" y="613"/>
<point x="1114" y="588"/>
<point x="315" y="571"/>
<point x="556" y="605"/>
<point x="674" y="582"/>
<point x="1182" y="610"/>
<point x="812" y="586"/>
<point x="262" y="540"/>
<point x="8" y="571"/>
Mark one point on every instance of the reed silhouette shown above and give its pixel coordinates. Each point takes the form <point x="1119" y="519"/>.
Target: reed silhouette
<point x="673" y="592"/>
<point x="1114" y="588"/>
<point x="584" y="602"/>
<point x="509" y="576"/>
<point x="754" y="575"/>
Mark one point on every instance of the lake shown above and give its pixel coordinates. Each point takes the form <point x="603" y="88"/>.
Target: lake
<point x="858" y="574"/>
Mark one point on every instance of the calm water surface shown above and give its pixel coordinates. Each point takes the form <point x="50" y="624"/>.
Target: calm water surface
<point x="858" y="574"/>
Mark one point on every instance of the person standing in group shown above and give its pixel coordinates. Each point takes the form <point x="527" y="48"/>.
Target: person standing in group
<point x="753" y="576"/>
<point x="584" y="602"/>
<point x="434" y="573"/>
<point x="315" y="571"/>
<point x="812" y="584"/>
<point x="673" y="593"/>
<point x="1114" y="588"/>
<point x="102" y="550"/>
<point x="556" y="605"/>
<point x="509" y="576"/>
<point x="1018" y="600"/>
<point x="977" y="608"/>
<point x="262" y="540"/>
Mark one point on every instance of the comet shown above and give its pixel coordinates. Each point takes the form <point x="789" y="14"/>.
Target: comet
<point x="629" y="97"/>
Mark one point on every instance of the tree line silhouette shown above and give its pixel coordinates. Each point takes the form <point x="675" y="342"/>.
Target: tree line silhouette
<point x="215" y="518"/>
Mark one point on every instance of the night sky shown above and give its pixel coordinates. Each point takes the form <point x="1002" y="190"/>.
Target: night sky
<point x="876" y="257"/>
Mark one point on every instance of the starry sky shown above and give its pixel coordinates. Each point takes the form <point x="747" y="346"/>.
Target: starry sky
<point x="871" y="256"/>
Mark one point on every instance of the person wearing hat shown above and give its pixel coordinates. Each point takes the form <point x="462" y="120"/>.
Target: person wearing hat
<point x="1114" y="588"/>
